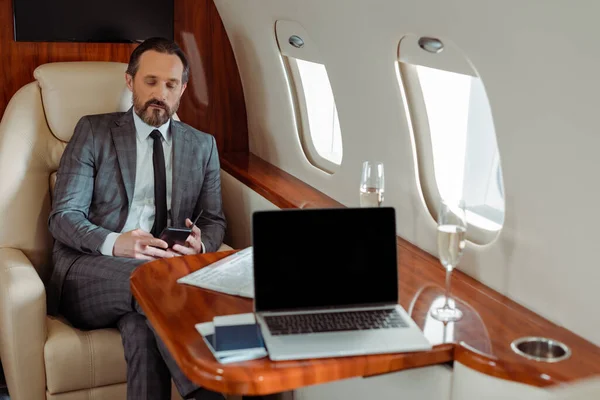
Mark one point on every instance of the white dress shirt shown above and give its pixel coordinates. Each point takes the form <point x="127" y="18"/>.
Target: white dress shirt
<point x="141" y="212"/>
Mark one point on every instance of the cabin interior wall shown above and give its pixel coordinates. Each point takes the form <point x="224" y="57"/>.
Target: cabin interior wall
<point x="213" y="101"/>
<point x="469" y="384"/>
<point x="425" y="383"/>
<point x="239" y="202"/>
<point x="537" y="68"/>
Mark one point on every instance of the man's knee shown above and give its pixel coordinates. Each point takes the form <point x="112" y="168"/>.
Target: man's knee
<point x="135" y="332"/>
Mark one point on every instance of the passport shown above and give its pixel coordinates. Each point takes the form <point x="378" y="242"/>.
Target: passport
<point x="228" y="338"/>
<point x="233" y="338"/>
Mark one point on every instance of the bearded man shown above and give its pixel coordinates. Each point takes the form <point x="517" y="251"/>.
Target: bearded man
<point x="124" y="177"/>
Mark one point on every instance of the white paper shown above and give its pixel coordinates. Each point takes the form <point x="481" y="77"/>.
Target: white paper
<point x="232" y="275"/>
<point x="205" y="328"/>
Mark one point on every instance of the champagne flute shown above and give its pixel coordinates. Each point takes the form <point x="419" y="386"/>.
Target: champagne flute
<point x="371" y="184"/>
<point x="451" y="232"/>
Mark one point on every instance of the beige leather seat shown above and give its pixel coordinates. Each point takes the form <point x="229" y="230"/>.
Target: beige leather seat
<point x="44" y="357"/>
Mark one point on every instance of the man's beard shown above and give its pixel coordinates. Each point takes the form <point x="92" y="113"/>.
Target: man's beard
<point x="156" y="117"/>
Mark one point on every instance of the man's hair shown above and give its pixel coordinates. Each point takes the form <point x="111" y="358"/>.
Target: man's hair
<point x="160" y="45"/>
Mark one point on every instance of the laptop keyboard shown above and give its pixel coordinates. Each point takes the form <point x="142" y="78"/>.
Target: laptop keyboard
<point x="334" y="322"/>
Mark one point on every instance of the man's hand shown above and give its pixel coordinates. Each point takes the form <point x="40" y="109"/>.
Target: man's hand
<point x="141" y="245"/>
<point x="193" y="244"/>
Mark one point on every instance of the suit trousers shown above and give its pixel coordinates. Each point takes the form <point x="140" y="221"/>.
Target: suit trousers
<point x="96" y="294"/>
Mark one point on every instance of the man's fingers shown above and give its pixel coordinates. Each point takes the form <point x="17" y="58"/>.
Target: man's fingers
<point x="158" y="253"/>
<point x="152" y="251"/>
<point x="195" y="229"/>
<point x="174" y="253"/>
<point x="152" y="241"/>
<point x="159" y="243"/>
<point x="142" y="256"/>
<point x="191" y="240"/>
<point x="183" y="250"/>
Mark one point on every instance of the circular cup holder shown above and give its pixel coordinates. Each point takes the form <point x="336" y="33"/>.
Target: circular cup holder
<point x="541" y="349"/>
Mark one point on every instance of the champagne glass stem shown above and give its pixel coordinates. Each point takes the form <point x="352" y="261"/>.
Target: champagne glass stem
<point x="448" y="273"/>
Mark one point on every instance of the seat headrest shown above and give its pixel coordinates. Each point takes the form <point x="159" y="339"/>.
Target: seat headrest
<point x="71" y="90"/>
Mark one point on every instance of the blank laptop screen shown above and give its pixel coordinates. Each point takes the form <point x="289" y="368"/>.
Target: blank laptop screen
<point x="317" y="258"/>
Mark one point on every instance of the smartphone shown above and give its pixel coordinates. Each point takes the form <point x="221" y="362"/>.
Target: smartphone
<point x="178" y="235"/>
<point x="175" y="236"/>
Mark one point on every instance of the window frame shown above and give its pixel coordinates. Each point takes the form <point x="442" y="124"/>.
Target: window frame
<point x="418" y="121"/>
<point x="308" y="50"/>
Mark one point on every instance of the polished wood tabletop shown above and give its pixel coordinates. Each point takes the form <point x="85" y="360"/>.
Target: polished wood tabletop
<point x="481" y="340"/>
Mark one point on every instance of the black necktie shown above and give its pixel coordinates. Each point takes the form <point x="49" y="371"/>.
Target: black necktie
<point x="160" y="185"/>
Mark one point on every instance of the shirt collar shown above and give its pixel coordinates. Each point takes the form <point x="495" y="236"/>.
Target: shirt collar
<point x="144" y="130"/>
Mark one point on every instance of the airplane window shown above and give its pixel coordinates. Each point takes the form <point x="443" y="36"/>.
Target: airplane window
<point x="465" y="153"/>
<point x="446" y="96"/>
<point x="451" y="119"/>
<point x="321" y="127"/>
<point x="323" y="120"/>
<point x="312" y="97"/>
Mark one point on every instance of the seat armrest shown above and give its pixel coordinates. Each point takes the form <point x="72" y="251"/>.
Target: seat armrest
<point x="22" y="326"/>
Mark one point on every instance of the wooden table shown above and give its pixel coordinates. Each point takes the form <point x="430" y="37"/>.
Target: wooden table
<point x="481" y="340"/>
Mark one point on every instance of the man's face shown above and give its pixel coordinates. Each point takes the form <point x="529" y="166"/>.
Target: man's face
<point x="156" y="87"/>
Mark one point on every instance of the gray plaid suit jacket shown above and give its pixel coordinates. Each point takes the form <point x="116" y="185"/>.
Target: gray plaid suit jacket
<point x="95" y="183"/>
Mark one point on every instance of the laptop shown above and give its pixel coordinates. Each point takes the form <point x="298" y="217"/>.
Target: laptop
<point x="326" y="284"/>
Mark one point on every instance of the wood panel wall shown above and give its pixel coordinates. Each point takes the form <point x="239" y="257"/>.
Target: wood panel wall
<point x="214" y="100"/>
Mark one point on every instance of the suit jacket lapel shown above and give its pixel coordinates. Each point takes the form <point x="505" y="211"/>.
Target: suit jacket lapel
<point x="182" y="162"/>
<point x="124" y="139"/>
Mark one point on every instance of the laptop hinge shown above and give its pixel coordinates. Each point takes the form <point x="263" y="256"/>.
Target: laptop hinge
<point x="332" y="308"/>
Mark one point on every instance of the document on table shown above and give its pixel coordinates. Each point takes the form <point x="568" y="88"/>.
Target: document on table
<point x="232" y="275"/>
